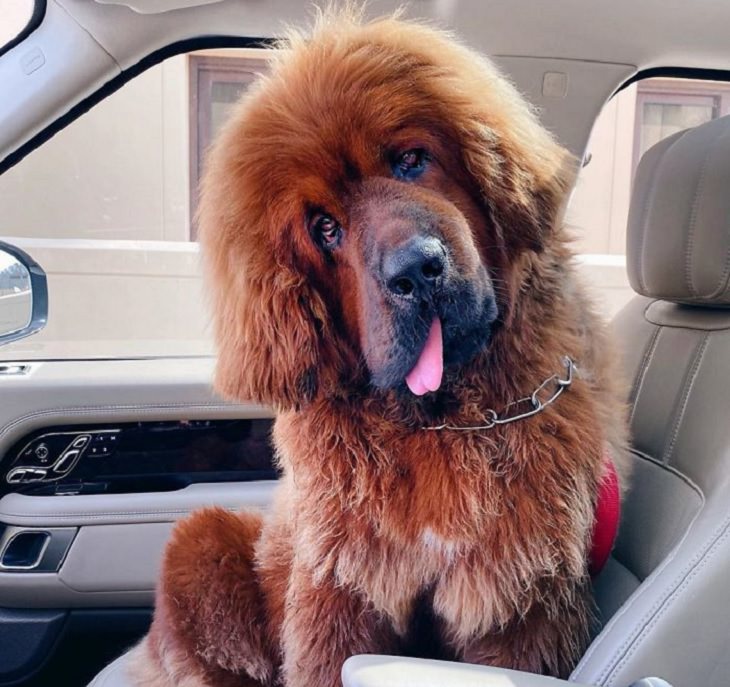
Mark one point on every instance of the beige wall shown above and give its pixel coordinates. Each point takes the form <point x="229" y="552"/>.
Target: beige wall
<point x="119" y="172"/>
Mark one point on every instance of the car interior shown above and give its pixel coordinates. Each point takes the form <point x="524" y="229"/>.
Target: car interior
<point x="99" y="456"/>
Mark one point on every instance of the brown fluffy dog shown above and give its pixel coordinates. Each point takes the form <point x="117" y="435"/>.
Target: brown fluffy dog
<point x="381" y="221"/>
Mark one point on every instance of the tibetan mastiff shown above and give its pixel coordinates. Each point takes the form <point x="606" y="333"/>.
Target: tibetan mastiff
<point x="381" y="221"/>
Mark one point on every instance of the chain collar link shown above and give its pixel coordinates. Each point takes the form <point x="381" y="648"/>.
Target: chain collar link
<point x="547" y="393"/>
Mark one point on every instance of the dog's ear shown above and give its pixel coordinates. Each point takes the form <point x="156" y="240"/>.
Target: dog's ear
<point x="267" y="335"/>
<point x="523" y="177"/>
<point x="269" y="322"/>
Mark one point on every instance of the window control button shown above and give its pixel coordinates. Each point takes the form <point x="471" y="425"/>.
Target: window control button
<point x="105" y="438"/>
<point x="104" y="443"/>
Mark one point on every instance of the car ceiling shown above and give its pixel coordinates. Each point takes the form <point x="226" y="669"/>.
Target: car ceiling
<point x="85" y="44"/>
<point x="646" y="33"/>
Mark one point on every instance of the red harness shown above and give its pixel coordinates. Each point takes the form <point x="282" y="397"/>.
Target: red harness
<point x="605" y="524"/>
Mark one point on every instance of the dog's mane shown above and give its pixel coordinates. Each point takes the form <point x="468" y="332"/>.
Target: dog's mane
<point x="375" y="515"/>
<point x="275" y="338"/>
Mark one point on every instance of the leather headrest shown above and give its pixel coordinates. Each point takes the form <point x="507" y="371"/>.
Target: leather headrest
<point x="679" y="221"/>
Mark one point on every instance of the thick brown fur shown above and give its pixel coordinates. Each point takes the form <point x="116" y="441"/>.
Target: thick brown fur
<point x="384" y="536"/>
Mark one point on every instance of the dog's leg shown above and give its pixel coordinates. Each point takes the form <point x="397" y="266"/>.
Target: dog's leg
<point x="548" y="639"/>
<point x="210" y="617"/>
<point x="324" y="625"/>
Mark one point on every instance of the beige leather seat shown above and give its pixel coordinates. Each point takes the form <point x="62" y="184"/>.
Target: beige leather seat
<point x="664" y="596"/>
<point x="666" y="591"/>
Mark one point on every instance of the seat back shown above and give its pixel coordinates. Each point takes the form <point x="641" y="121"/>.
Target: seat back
<point x="665" y="593"/>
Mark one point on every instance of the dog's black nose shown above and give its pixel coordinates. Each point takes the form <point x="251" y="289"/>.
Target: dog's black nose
<point x="415" y="268"/>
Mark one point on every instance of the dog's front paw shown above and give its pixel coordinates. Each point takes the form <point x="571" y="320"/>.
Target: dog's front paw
<point x="209" y="602"/>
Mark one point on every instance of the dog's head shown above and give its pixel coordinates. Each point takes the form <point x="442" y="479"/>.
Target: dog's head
<point x="361" y="210"/>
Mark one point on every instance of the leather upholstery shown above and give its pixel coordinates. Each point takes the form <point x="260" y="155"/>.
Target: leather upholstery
<point x="673" y="548"/>
<point x="665" y="593"/>
<point x="142" y="508"/>
<point x="395" y="671"/>
<point x="679" y="221"/>
<point x="664" y="596"/>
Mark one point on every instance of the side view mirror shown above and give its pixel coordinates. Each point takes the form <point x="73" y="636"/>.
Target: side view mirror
<point x="23" y="294"/>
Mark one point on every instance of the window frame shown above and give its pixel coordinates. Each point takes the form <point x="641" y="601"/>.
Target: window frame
<point x="676" y="91"/>
<point x="185" y="46"/>
<point x="203" y="71"/>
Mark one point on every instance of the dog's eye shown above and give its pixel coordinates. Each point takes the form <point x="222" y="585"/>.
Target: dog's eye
<point x="327" y="230"/>
<point x="410" y="164"/>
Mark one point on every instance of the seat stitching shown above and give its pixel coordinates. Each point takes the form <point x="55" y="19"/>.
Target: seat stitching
<point x="644" y="367"/>
<point x="671" y="469"/>
<point x="722" y="283"/>
<point x="646" y="584"/>
<point x="688" y="254"/>
<point x="649" y="202"/>
<point x="146" y="512"/>
<point x="679" y="475"/>
<point x="689" y="574"/>
<point x="107" y="516"/>
<point x="684" y="327"/>
<point x="605" y="673"/>
<point x="688" y="385"/>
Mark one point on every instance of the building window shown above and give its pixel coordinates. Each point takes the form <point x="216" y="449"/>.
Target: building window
<point x="667" y="106"/>
<point x="216" y="84"/>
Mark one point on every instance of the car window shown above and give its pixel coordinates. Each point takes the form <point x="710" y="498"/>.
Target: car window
<point x="106" y="206"/>
<point x="630" y="123"/>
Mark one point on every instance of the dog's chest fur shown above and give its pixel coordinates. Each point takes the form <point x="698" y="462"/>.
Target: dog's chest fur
<point x="474" y="521"/>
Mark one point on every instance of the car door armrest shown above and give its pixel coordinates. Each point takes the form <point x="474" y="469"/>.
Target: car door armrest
<point x="395" y="671"/>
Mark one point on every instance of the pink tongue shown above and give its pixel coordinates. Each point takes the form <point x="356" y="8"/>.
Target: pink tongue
<point x="426" y="375"/>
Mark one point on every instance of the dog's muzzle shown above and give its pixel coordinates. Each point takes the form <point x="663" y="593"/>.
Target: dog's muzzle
<point x="416" y="269"/>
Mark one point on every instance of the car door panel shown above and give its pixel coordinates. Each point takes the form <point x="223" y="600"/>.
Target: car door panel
<point x="58" y="392"/>
<point x="108" y="529"/>
<point x="114" y="557"/>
